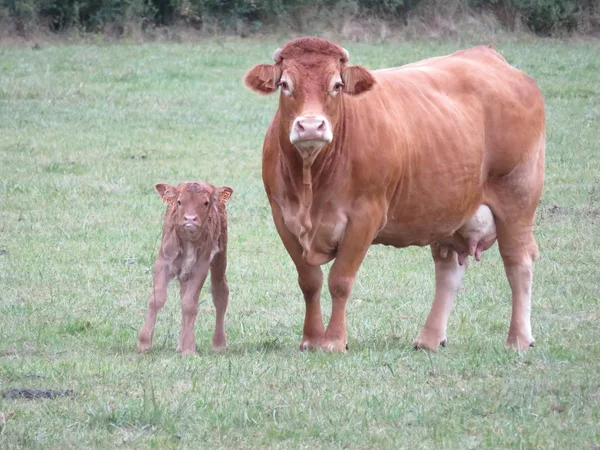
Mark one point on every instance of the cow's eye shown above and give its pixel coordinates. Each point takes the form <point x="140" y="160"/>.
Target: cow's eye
<point x="285" y="87"/>
<point x="206" y="203"/>
<point x="336" y="88"/>
<point x="179" y="202"/>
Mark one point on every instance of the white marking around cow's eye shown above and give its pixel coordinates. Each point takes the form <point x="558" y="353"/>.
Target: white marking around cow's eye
<point x="335" y="85"/>
<point x="286" y="84"/>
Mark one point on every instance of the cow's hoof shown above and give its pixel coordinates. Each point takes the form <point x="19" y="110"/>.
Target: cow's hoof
<point x="427" y="342"/>
<point x="520" y="343"/>
<point x="310" y="343"/>
<point x="334" y="345"/>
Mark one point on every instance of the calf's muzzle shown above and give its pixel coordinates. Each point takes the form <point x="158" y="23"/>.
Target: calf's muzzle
<point x="190" y="221"/>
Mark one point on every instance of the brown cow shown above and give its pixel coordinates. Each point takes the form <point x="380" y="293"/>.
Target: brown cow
<point x="194" y="239"/>
<point x="400" y="157"/>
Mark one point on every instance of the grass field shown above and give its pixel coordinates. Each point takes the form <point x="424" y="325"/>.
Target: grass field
<point x="86" y="131"/>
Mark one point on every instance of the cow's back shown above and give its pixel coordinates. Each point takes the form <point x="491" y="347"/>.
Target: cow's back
<point x="453" y="121"/>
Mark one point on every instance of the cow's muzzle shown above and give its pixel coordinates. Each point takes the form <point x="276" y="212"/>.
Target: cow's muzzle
<point x="311" y="130"/>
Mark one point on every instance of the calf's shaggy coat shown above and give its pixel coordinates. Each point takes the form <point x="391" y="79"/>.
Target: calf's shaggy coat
<point x="194" y="240"/>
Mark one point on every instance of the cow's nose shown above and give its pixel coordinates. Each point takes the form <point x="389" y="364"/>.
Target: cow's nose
<point x="310" y="128"/>
<point x="190" y="219"/>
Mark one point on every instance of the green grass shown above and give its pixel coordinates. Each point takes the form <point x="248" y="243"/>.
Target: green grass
<point x="86" y="132"/>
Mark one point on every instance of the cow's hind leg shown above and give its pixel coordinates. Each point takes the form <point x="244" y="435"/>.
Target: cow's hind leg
<point x="448" y="278"/>
<point x="519" y="251"/>
<point x="514" y="198"/>
<point x="220" y="295"/>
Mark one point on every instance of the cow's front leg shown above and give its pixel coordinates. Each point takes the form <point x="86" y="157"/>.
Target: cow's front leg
<point x="190" y="291"/>
<point x="310" y="279"/>
<point x="351" y="251"/>
<point x="448" y="278"/>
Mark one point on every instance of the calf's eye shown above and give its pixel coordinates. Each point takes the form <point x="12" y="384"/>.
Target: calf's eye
<point x="179" y="202"/>
<point x="206" y="203"/>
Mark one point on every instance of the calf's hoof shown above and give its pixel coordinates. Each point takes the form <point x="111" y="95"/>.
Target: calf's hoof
<point x="143" y="346"/>
<point x="219" y="342"/>
<point x="431" y="342"/>
<point x="520" y="343"/>
<point x="187" y="349"/>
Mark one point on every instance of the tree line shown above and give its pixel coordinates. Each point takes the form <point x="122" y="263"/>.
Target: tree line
<point x="543" y="17"/>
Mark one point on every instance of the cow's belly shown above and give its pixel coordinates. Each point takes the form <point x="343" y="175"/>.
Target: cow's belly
<point x="423" y="229"/>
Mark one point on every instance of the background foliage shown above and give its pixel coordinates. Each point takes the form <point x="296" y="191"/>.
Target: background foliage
<point x="540" y="16"/>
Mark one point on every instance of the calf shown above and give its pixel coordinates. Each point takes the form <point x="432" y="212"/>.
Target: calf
<point x="194" y="240"/>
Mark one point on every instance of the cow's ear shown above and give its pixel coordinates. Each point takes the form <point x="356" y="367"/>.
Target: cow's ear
<point x="263" y="78"/>
<point x="166" y="192"/>
<point x="223" y="193"/>
<point x="357" y="80"/>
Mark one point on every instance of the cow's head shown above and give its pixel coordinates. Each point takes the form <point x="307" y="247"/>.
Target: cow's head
<point x="313" y="76"/>
<point x="192" y="202"/>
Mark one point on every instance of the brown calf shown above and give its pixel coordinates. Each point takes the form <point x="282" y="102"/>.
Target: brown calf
<point x="194" y="240"/>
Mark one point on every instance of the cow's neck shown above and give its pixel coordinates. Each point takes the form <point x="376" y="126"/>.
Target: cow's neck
<point x="306" y="175"/>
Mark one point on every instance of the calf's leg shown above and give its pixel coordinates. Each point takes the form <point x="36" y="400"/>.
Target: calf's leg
<point x="448" y="278"/>
<point x="220" y="296"/>
<point x="157" y="301"/>
<point x="190" y="291"/>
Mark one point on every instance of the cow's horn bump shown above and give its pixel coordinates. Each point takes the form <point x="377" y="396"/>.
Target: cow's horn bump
<point x="277" y="55"/>
<point x="346" y="55"/>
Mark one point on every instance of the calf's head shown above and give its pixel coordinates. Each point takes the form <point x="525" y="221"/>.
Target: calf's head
<point x="192" y="202"/>
<point x="313" y="77"/>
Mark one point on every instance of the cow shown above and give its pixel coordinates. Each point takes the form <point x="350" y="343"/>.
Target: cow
<point x="194" y="240"/>
<point x="401" y="156"/>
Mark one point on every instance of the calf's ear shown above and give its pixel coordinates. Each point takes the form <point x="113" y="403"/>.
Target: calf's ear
<point x="166" y="192"/>
<point x="357" y="80"/>
<point x="263" y="78"/>
<point x="223" y="193"/>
